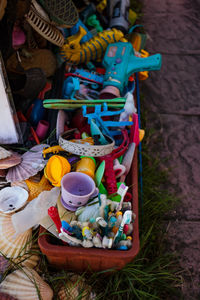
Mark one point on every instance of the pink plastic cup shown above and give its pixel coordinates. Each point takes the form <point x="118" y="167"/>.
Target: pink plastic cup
<point x="42" y="129"/>
<point x="76" y="189"/>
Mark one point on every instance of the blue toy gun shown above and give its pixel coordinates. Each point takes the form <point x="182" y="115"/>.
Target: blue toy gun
<point x="120" y="62"/>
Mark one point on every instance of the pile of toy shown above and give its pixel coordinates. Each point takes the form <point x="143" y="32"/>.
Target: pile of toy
<point x="66" y="164"/>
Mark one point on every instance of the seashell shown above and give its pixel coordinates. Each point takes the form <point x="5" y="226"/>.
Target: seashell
<point x="76" y="288"/>
<point x="29" y="259"/>
<point x="4" y="153"/>
<point x="26" y="284"/>
<point x="3" y="172"/>
<point x="4" y="296"/>
<point x="4" y="264"/>
<point x="9" y="245"/>
<point x="3" y="182"/>
<point x="32" y="162"/>
<point x="10" y="161"/>
<point x="22" y="184"/>
<point x="12" y="199"/>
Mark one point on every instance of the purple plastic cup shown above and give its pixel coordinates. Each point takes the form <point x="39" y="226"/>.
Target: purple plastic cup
<point x="76" y="189"/>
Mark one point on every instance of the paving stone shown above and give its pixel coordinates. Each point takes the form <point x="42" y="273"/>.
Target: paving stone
<point x="172" y="27"/>
<point x="177" y="143"/>
<point x="175" y="88"/>
<point x="184" y="241"/>
<point x="168" y="6"/>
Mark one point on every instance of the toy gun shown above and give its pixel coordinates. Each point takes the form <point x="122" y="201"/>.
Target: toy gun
<point x="120" y="63"/>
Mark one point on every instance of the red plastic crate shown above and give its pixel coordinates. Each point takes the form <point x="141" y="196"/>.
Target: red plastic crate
<point x="94" y="259"/>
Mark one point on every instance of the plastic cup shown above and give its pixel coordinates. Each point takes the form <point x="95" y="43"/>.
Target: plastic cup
<point x="76" y="189"/>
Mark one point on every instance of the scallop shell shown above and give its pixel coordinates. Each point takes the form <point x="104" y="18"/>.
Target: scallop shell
<point x="32" y="163"/>
<point x="4" y="153"/>
<point x="29" y="259"/>
<point x="9" y="245"/>
<point x="3" y="173"/>
<point x="26" y="284"/>
<point x="76" y="288"/>
<point x="10" y="161"/>
<point x="12" y="199"/>
<point x="22" y="184"/>
<point x="4" y="296"/>
<point x="4" y="264"/>
<point x="3" y="182"/>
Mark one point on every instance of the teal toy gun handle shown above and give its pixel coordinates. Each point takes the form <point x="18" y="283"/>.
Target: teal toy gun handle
<point x="140" y="64"/>
<point x="120" y="63"/>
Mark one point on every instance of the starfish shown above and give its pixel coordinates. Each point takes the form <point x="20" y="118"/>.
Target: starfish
<point x="35" y="188"/>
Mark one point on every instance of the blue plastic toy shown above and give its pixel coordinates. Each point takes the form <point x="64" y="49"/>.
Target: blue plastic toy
<point x="104" y="125"/>
<point x="75" y="29"/>
<point x="120" y="63"/>
<point x="37" y="112"/>
<point x="90" y="75"/>
<point x="70" y="86"/>
<point x="66" y="226"/>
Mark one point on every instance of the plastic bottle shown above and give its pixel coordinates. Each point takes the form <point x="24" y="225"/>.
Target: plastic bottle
<point x="86" y="165"/>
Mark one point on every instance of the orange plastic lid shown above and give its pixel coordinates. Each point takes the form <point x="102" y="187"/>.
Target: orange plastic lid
<point x="57" y="166"/>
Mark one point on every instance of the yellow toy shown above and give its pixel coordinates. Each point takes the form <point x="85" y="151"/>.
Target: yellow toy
<point x="56" y="168"/>
<point x="86" y="165"/>
<point x="145" y="74"/>
<point x="101" y="6"/>
<point x="54" y="149"/>
<point x="94" y="49"/>
<point x="35" y="188"/>
<point x="88" y="140"/>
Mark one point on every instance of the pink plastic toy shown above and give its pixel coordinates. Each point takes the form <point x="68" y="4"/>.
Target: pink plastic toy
<point x="42" y="129"/>
<point x="18" y="37"/>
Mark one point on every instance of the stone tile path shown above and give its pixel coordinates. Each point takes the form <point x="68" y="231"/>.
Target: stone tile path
<point x="172" y="97"/>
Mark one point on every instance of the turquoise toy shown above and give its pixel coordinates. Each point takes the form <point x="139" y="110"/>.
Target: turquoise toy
<point x="121" y="62"/>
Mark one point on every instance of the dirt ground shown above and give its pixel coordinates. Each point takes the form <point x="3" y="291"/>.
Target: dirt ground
<point x="173" y="101"/>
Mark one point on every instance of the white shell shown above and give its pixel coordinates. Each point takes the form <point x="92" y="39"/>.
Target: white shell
<point x="9" y="245"/>
<point x="12" y="198"/>
<point x="26" y="284"/>
<point x="32" y="162"/>
<point x="4" y="153"/>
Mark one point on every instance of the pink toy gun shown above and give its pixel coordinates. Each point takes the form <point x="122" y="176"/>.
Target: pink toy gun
<point x="109" y="173"/>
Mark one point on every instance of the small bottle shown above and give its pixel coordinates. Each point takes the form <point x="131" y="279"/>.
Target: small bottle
<point x="119" y="218"/>
<point x="86" y="165"/>
<point x="87" y="233"/>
